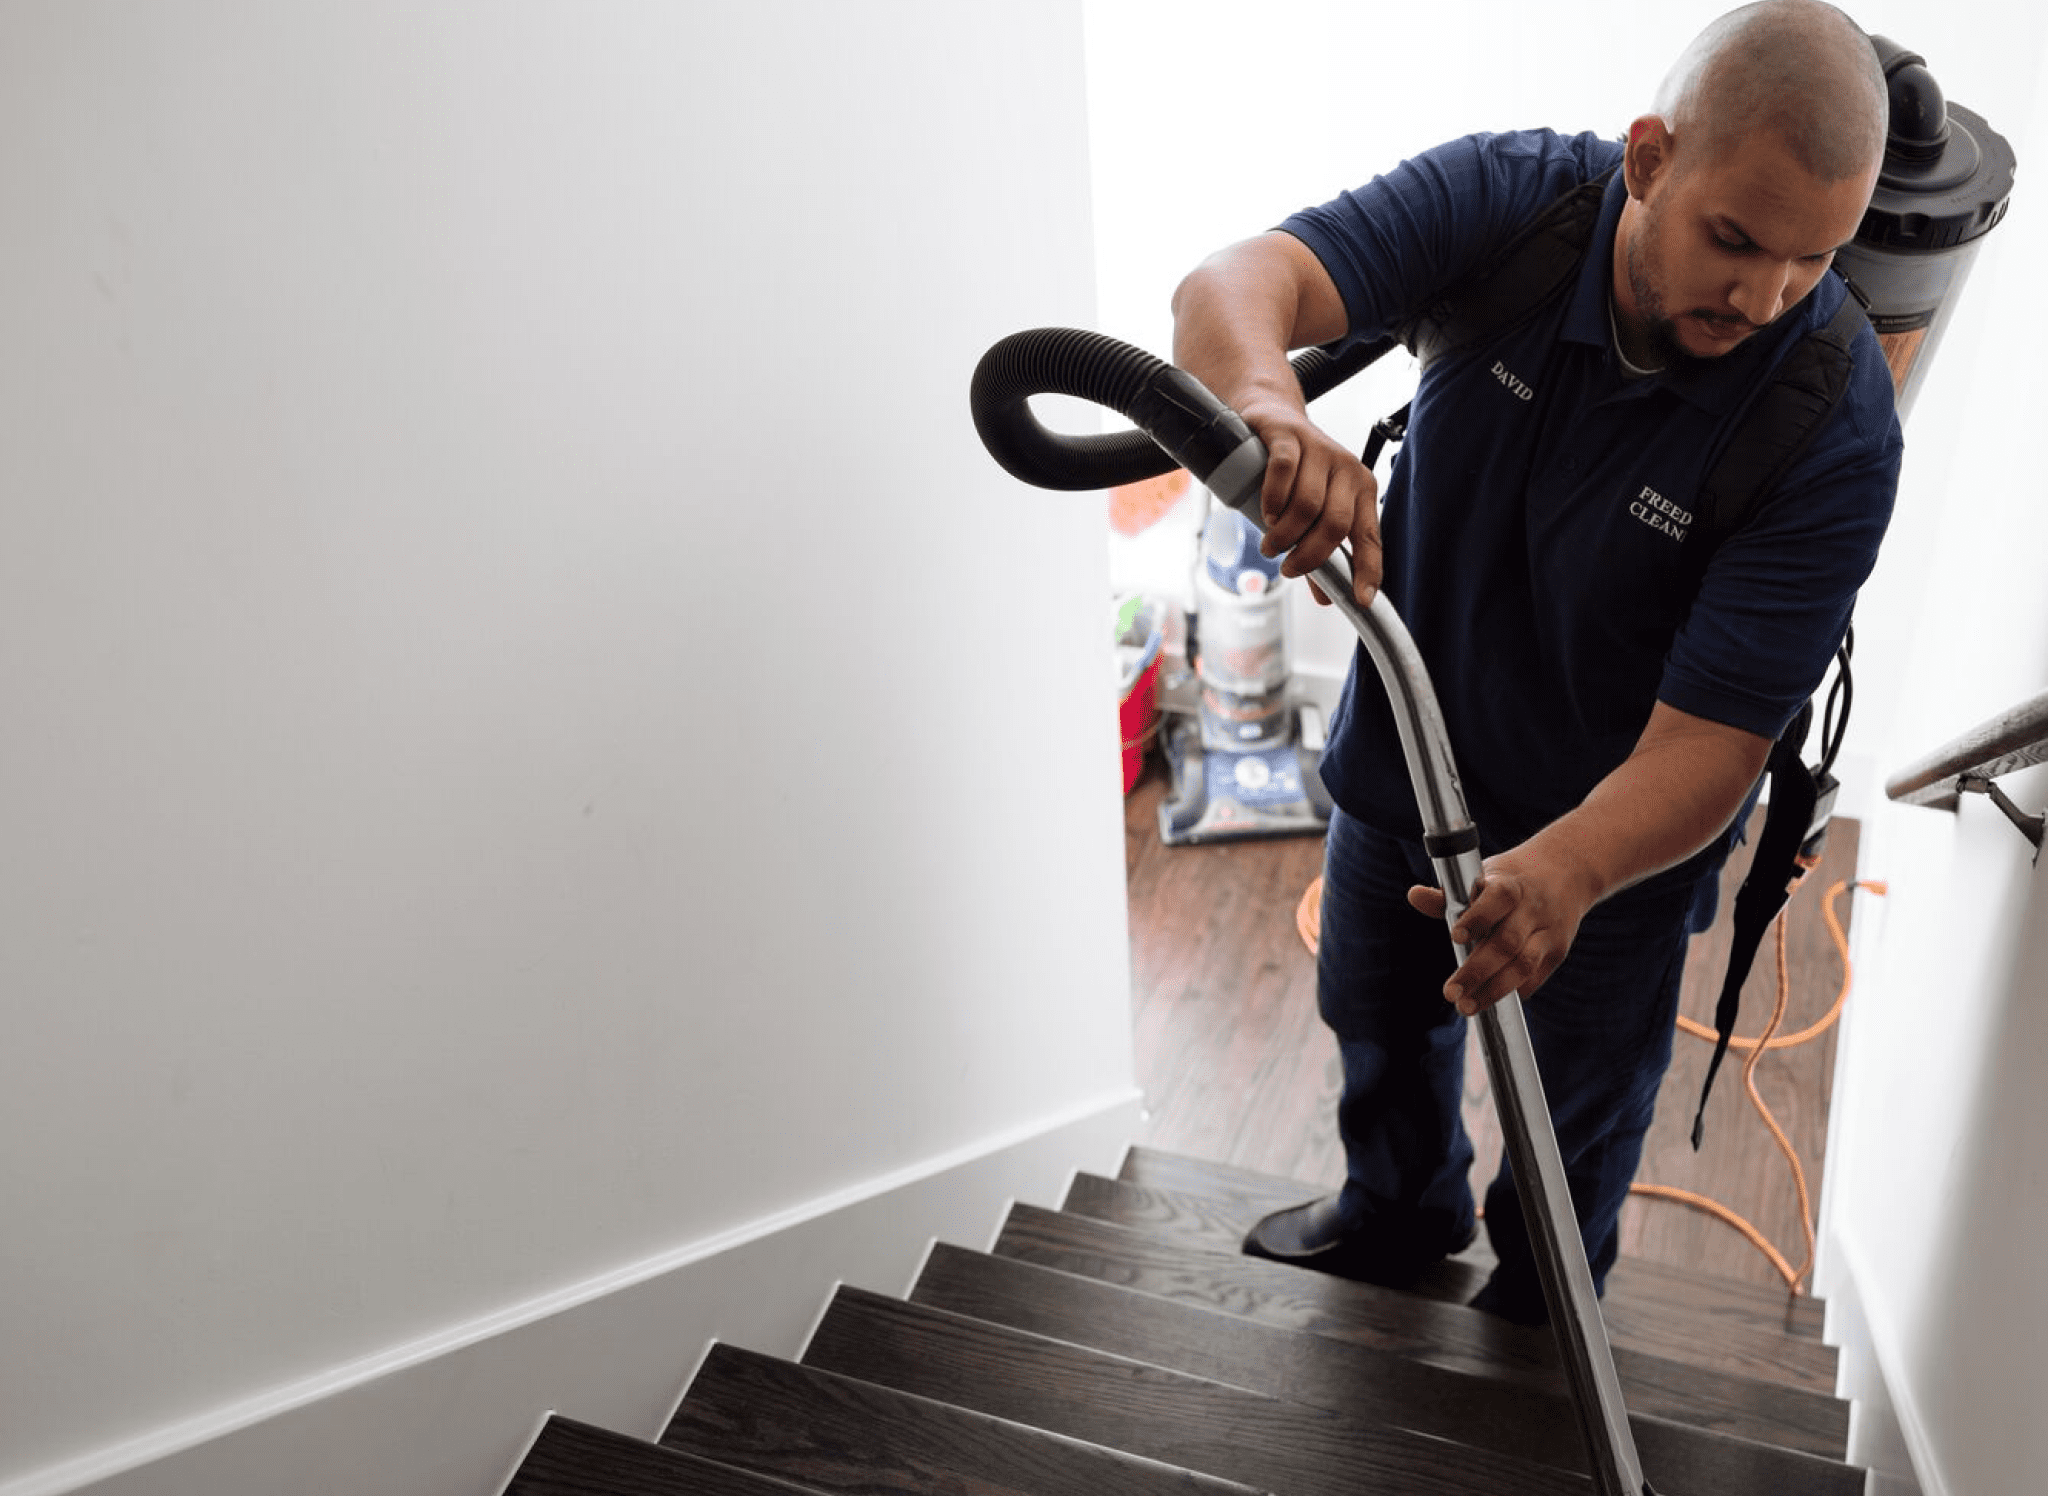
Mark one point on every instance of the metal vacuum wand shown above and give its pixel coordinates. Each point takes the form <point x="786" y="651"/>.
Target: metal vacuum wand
<point x="1451" y="841"/>
<point x="1181" y="422"/>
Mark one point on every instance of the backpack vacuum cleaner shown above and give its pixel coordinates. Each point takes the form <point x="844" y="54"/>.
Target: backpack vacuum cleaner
<point x="1945" y="183"/>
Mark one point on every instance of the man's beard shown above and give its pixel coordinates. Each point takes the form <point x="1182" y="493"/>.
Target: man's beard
<point x="1658" y="324"/>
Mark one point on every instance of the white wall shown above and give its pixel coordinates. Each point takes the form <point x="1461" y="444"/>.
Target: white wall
<point x="1937" y="1193"/>
<point x="1211" y="124"/>
<point x="536" y="738"/>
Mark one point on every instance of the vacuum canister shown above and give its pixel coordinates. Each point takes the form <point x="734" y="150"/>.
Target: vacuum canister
<point x="1945" y="184"/>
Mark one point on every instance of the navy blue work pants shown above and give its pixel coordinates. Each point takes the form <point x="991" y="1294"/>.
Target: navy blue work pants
<point x="1602" y="1030"/>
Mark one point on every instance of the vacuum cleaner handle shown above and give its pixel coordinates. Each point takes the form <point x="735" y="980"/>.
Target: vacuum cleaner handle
<point x="1184" y="424"/>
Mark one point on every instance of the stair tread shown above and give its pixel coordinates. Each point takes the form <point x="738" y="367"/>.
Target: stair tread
<point x="838" y="1434"/>
<point x="1248" y="1434"/>
<point x="1453" y="1336"/>
<point x="1224" y="1431"/>
<point x="1524" y="1422"/>
<point x="571" y="1458"/>
<point x="1714" y="1344"/>
<point x="1632" y="1284"/>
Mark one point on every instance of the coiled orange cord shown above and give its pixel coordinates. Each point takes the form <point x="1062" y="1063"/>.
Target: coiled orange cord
<point x="1756" y="1049"/>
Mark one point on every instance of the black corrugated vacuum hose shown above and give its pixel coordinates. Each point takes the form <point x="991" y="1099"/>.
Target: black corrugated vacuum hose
<point x="1179" y="422"/>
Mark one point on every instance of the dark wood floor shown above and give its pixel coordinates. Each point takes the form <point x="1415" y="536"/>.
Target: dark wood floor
<point x="1237" y="1067"/>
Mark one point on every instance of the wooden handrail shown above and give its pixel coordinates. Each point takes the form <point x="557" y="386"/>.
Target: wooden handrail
<point x="2014" y="739"/>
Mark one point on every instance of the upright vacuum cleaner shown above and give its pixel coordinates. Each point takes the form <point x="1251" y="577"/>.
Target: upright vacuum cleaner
<point x="1244" y="764"/>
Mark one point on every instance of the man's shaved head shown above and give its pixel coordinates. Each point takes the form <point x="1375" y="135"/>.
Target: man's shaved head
<point x="1756" y="166"/>
<point x="1800" y="69"/>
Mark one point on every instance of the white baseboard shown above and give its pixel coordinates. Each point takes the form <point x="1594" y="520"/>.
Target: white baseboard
<point x="452" y="1414"/>
<point x="1886" y="1435"/>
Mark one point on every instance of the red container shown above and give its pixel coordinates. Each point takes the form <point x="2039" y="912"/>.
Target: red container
<point x="1139" y="634"/>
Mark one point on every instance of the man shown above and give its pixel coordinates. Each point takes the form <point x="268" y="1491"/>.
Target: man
<point x="1612" y="676"/>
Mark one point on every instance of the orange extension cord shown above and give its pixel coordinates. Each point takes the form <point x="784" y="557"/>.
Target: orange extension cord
<point x="1755" y="1048"/>
<point x="1307" y="919"/>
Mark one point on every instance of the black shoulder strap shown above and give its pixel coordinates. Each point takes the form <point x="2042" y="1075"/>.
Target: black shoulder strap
<point x="1795" y="799"/>
<point x="1775" y="430"/>
<point x="1532" y="267"/>
<point x="1512" y="282"/>
<point x="1768" y="439"/>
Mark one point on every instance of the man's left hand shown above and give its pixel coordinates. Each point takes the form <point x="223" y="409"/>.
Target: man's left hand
<point x="1677" y="790"/>
<point x="1520" y="925"/>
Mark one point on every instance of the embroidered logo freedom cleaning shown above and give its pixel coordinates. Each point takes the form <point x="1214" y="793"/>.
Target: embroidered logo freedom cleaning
<point x="1660" y="514"/>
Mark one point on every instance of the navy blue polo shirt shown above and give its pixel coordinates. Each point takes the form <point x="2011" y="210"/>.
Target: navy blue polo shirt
<point x="1544" y="543"/>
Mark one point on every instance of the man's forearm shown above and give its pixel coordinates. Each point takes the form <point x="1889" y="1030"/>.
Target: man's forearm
<point x="1673" y="795"/>
<point x="1235" y="318"/>
<point x="1240" y="311"/>
<point x="1678" y="790"/>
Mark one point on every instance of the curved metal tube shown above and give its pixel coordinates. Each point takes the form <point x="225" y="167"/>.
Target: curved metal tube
<point x="1452" y="841"/>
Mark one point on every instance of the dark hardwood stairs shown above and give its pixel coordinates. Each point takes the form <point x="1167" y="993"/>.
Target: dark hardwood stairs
<point x="1122" y="1344"/>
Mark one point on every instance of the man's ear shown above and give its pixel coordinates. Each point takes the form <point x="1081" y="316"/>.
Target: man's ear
<point x="1647" y="155"/>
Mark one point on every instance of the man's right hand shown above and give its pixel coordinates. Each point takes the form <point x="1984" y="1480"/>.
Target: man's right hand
<point x="1235" y="318"/>
<point x="1317" y="495"/>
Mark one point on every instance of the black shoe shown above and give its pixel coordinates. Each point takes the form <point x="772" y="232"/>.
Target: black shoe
<point x="1315" y="1236"/>
<point x="1521" y="1307"/>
